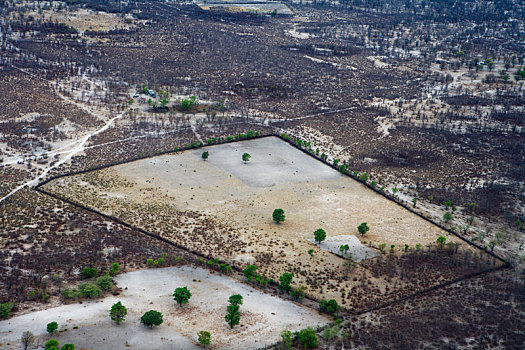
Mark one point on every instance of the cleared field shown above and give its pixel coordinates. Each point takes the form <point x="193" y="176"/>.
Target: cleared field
<point x="263" y="317"/>
<point x="222" y="207"/>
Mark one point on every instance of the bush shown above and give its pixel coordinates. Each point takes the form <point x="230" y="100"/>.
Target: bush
<point x="52" y="327"/>
<point x="71" y="294"/>
<point x="151" y="318"/>
<point x="329" y="306"/>
<point x="90" y="290"/>
<point x="115" y="268"/>
<point x="51" y="344"/>
<point x="89" y="272"/>
<point x="284" y="282"/>
<point x="307" y="338"/>
<point x="105" y="282"/>
<point x="5" y="310"/>
<point x="68" y="347"/>
<point x="204" y="338"/>
<point x="278" y="216"/>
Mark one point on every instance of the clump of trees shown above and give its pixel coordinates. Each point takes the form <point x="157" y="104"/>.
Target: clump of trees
<point x="329" y="306"/>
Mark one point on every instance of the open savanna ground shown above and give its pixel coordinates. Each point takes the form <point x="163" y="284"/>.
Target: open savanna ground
<point x="222" y="208"/>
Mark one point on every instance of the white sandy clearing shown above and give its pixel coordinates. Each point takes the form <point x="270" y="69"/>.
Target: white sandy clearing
<point x="358" y="250"/>
<point x="263" y="316"/>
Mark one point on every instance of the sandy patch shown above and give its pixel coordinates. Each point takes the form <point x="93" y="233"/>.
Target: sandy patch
<point x="263" y="316"/>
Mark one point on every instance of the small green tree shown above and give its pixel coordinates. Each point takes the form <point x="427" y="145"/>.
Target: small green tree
<point x="447" y="217"/>
<point x="278" y="216"/>
<point x="52" y="327"/>
<point x="233" y="316"/>
<point x="363" y="228"/>
<point x="151" y="318"/>
<point x="286" y="340"/>
<point x="319" y="235"/>
<point x="182" y="295"/>
<point x="204" y="338"/>
<point x="115" y="269"/>
<point x="51" y="344"/>
<point x="329" y="306"/>
<point x="68" y="347"/>
<point x="118" y="312"/>
<point x="441" y="241"/>
<point x="246" y="157"/>
<point x="249" y="272"/>
<point x="307" y="338"/>
<point x="382" y="247"/>
<point x="205" y="155"/>
<point x="285" y="282"/>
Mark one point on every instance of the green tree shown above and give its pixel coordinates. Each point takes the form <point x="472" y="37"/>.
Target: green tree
<point x="447" y="217"/>
<point x="329" y="306"/>
<point x="278" y="216"/>
<point x="188" y="103"/>
<point x="319" y="235"/>
<point x="246" y="157"/>
<point x="89" y="272"/>
<point x="182" y="295"/>
<point x="286" y="340"/>
<point x="151" y="318"/>
<point x="52" y="327"/>
<point x="115" y="269"/>
<point x="364" y="177"/>
<point x="68" y="347"/>
<point x="118" y="312"/>
<point x="307" y="338"/>
<point x="233" y="316"/>
<point x="204" y="338"/>
<point x="51" y="344"/>
<point x="441" y="241"/>
<point x="249" y="272"/>
<point x="363" y="228"/>
<point x="285" y="282"/>
<point x="205" y="155"/>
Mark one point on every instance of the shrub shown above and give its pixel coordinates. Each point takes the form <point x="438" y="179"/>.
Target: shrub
<point x="71" y="294"/>
<point x="105" y="282"/>
<point x="204" y="338"/>
<point x="89" y="272"/>
<point x="225" y="268"/>
<point x="52" y="327"/>
<point x="278" y="216"/>
<point x="286" y="340"/>
<point x="115" y="268"/>
<point x="182" y="295"/>
<point x="90" y="290"/>
<point x="5" y="310"/>
<point x="118" y="312"/>
<point x="329" y="306"/>
<point x="307" y="338"/>
<point x="51" y="344"/>
<point x="68" y="347"/>
<point x="249" y="272"/>
<point x="284" y="282"/>
<point x="151" y="318"/>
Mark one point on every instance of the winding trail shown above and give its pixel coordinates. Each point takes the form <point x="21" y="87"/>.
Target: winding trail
<point x="78" y="146"/>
